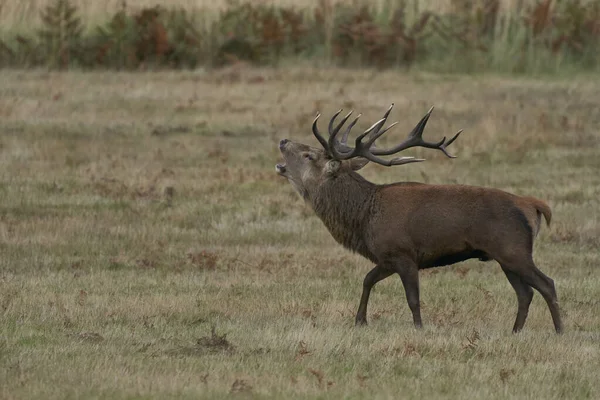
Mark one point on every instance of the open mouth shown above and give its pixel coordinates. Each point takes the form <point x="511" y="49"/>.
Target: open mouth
<point x="280" y="168"/>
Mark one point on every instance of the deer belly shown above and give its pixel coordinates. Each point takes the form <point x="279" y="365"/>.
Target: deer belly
<point x="452" y="258"/>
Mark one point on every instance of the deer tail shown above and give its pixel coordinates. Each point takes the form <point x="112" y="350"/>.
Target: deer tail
<point x="541" y="208"/>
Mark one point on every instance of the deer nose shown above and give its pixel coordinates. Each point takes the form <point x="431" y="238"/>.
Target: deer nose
<point x="282" y="143"/>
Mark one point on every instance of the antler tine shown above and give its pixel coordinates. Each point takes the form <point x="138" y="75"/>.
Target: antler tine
<point x="376" y="133"/>
<point x="318" y="135"/>
<point x="373" y="128"/>
<point x="454" y="137"/>
<point x="332" y="120"/>
<point x="389" y="110"/>
<point x="339" y="126"/>
<point x="348" y="129"/>
<point x="393" y="161"/>
<point x="333" y="142"/>
<point x="448" y="143"/>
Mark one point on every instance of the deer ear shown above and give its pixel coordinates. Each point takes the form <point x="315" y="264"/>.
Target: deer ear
<point x="358" y="163"/>
<point x="332" y="167"/>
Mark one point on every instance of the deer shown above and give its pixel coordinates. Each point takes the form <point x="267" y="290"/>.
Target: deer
<point x="405" y="227"/>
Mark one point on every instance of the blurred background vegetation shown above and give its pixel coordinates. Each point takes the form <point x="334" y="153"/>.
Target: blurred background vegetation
<point x="466" y="36"/>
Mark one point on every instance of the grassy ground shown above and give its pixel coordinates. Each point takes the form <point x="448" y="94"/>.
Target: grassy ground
<point x="148" y="249"/>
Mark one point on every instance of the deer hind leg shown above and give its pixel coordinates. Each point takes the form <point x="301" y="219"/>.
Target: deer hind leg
<point x="524" y="296"/>
<point x="545" y="285"/>
<point x="535" y="278"/>
<point x="375" y="275"/>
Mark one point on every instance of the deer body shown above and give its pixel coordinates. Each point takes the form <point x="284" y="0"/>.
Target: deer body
<point x="353" y="214"/>
<point x="407" y="226"/>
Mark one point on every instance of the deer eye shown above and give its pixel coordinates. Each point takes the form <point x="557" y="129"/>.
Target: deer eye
<point x="308" y="156"/>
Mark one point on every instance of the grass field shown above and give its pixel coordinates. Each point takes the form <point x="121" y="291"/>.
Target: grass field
<point x="149" y="250"/>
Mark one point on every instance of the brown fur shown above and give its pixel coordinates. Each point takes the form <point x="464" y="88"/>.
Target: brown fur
<point x="404" y="227"/>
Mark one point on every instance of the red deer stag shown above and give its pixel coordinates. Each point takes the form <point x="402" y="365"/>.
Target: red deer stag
<point x="407" y="226"/>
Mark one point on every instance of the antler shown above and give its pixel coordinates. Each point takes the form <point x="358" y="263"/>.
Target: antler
<point x="341" y="151"/>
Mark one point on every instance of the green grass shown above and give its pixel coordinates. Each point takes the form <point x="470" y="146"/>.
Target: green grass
<point x="140" y="211"/>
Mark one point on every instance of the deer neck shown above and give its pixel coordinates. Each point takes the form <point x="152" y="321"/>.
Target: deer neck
<point x="344" y="204"/>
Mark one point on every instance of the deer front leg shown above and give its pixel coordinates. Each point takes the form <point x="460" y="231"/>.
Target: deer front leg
<point x="375" y="275"/>
<point x="409" y="273"/>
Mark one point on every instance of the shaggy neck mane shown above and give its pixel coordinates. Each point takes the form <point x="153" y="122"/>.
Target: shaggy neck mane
<point x="344" y="204"/>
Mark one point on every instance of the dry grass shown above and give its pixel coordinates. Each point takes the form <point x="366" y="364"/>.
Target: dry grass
<point x="16" y="13"/>
<point x="150" y="250"/>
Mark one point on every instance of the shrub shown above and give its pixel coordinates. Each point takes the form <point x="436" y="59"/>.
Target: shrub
<point x="475" y="35"/>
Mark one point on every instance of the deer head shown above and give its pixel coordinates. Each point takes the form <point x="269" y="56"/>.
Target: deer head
<point x="306" y="167"/>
